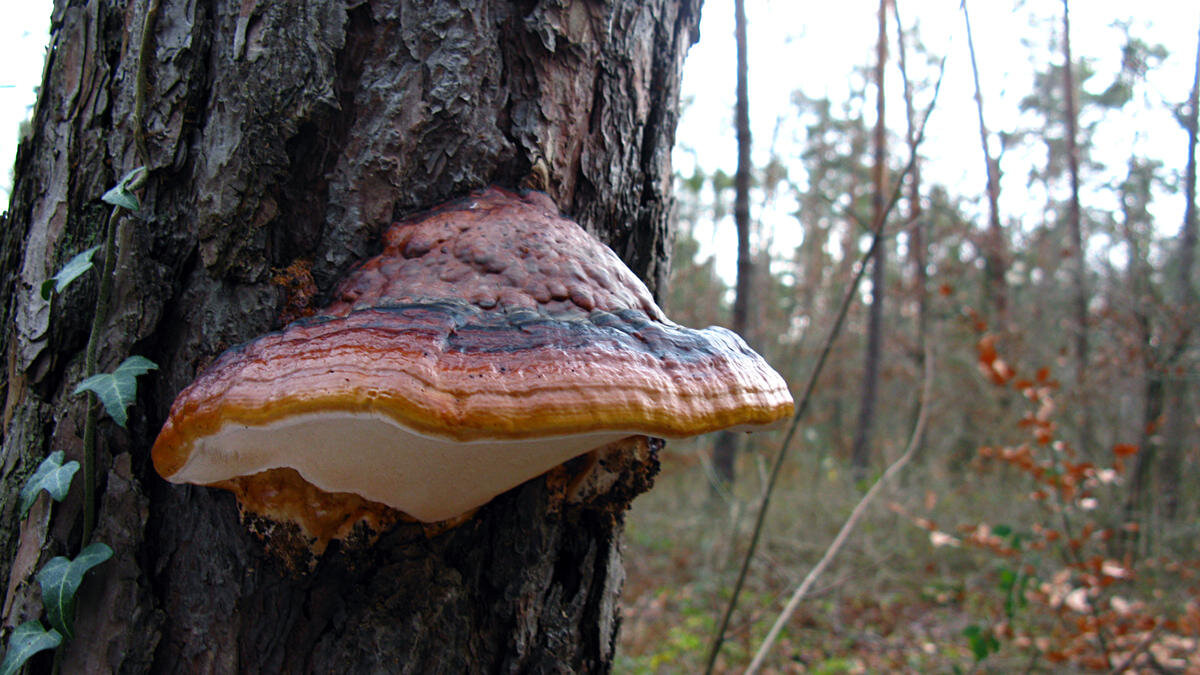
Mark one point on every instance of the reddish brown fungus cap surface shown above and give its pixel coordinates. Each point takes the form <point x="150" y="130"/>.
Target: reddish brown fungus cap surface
<point x="491" y="341"/>
<point x="496" y="250"/>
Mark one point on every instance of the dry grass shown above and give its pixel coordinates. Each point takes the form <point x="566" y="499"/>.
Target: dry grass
<point x="891" y="602"/>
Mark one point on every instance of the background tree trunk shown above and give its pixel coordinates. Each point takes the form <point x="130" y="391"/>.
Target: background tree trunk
<point x="1136" y="222"/>
<point x="860" y="457"/>
<point x="725" y="446"/>
<point x="1185" y="299"/>
<point x="289" y="135"/>
<point x="918" y="249"/>
<point x="1080" y="348"/>
<point x="995" y="265"/>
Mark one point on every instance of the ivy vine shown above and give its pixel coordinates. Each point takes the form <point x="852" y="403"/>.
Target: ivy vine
<point x="61" y="577"/>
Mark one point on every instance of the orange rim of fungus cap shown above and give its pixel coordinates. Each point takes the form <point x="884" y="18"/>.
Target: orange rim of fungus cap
<point x="491" y="341"/>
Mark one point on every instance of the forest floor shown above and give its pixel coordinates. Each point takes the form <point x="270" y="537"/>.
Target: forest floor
<point x="892" y="601"/>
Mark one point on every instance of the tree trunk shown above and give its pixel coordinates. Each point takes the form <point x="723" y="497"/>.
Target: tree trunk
<point x="995" y="286"/>
<point x="288" y="136"/>
<point x="860" y="457"/>
<point x="726" y="445"/>
<point x="918" y="249"/>
<point x="1185" y="298"/>
<point x="1080" y="347"/>
<point x="1135" y="221"/>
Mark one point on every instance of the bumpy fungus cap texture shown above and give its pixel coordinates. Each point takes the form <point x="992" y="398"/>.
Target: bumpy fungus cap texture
<point x="491" y="341"/>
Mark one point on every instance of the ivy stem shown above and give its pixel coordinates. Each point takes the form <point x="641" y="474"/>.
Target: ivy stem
<point x="103" y="297"/>
<point x="140" y="88"/>
<point x="104" y="294"/>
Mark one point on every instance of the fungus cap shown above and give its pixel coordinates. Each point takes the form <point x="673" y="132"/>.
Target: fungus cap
<point x="491" y="341"/>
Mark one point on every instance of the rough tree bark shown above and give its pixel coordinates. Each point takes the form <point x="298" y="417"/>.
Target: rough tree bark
<point x="860" y="456"/>
<point x="725" y="447"/>
<point x="286" y="136"/>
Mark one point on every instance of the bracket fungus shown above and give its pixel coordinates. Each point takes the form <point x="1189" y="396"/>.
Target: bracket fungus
<point x="490" y="342"/>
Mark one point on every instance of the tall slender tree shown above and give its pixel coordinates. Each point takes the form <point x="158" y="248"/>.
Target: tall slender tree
<point x="1080" y="346"/>
<point x="1186" y="306"/>
<point x="726" y="444"/>
<point x="995" y="264"/>
<point x="1136" y="224"/>
<point x="860" y="457"/>
<point x="918" y="248"/>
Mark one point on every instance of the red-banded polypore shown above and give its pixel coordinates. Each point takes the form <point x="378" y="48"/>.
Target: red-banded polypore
<point x="490" y="342"/>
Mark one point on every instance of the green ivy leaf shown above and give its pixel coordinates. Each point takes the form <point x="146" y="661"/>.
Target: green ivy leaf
<point x="1008" y="578"/>
<point x="981" y="641"/>
<point x="52" y="476"/>
<point x="60" y="579"/>
<point x="116" y="390"/>
<point x="70" y="272"/>
<point x="122" y="195"/>
<point x="26" y="640"/>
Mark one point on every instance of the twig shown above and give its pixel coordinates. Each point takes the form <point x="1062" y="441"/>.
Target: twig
<point x="1137" y="651"/>
<point x="1078" y="560"/>
<point x="914" y="442"/>
<point x="103" y="296"/>
<point x="802" y="406"/>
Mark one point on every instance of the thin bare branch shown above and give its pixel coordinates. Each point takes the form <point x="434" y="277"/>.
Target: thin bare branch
<point x="1137" y="651"/>
<point x="810" y="386"/>
<point x="856" y="515"/>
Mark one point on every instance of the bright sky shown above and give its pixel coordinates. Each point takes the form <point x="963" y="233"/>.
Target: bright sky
<point x="24" y="26"/>
<point x="805" y="46"/>
<point x="798" y="45"/>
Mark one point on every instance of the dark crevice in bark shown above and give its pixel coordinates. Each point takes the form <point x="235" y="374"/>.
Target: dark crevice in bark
<point x="203" y="60"/>
<point x="597" y="101"/>
<point x="313" y="152"/>
<point x="303" y="196"/>
<point x="517" y="79"/>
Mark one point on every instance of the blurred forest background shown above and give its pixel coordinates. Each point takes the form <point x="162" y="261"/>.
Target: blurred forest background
<point x="1047" y="519"/>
